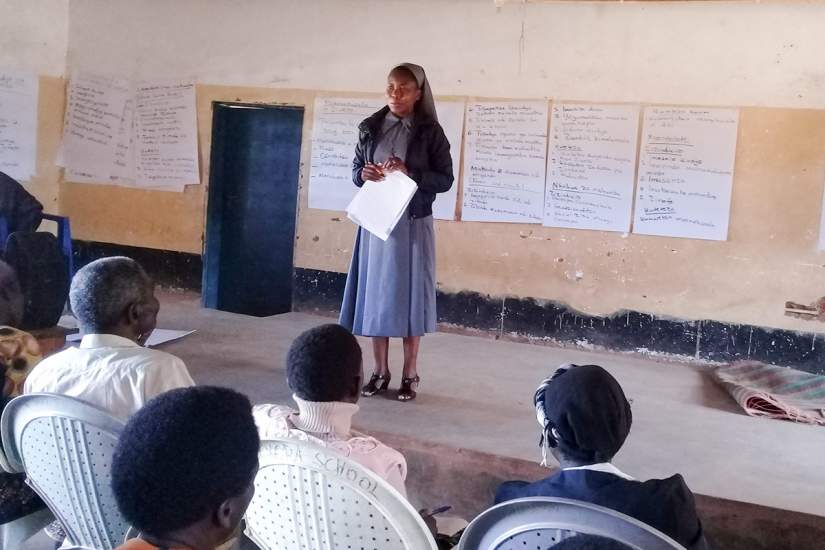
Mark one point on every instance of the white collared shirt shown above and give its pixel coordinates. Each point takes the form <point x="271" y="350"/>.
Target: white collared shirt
<point x="111" y="372"/>
<point x="605" y="467"/>
<point x="329" y="424"/>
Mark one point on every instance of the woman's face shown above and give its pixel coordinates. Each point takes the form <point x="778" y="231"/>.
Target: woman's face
<point x="402" y="93"/>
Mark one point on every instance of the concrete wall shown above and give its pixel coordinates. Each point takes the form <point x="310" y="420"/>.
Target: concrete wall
<point x="34" y="35"/>
<point x="34" y="38"/>
<point x="682" y="52"/>
<point x="764" y="56"/>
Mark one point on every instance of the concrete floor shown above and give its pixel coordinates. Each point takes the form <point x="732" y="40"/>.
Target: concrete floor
<point x="477" y="393"/>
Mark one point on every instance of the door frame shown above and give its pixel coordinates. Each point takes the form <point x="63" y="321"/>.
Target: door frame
<point x="210" y="279"/>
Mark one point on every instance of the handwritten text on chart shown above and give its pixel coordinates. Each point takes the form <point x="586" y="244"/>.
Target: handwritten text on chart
<point x="686" y="172"/>
<point x="18" y="124"/>
<point x="94" y="114"/>
<point x="504" y="162"/>
<point x="591" y="166"/>
<point x="122" y="168"/>
<point x="334" y="136"/>
<point x="166" y="134"/>
<point x="142" y="135"/>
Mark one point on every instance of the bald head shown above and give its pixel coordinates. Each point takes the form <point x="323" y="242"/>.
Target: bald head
<point x="114" y="296"/>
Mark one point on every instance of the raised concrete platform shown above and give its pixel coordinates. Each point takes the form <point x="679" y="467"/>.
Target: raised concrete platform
<point x="475" y="397"/>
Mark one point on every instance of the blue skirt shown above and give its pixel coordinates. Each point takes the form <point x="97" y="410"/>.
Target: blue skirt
<point x="390" y="287"/>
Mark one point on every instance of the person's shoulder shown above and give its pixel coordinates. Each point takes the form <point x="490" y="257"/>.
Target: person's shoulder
<point x="56" y="360"/>
<point x="272" y="421"/>
<point x="675" y="483"/>
<point x="433" y="130"/>
<point x="160" y="370"/>
<point x="672" y="489"/>
<point x="548" y="486"/>
<point x="151" y="357"/>
<point x="371" y="123"/>
<point x="271" y="410"/>
<point x="674" y="500"/>
<point x="136" y="544"/>
<point x="366" y="444"/>
<point x="7" y="180"/>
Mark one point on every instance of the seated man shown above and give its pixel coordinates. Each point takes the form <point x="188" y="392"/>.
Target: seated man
<point x="114" y="302"/>
<point x="184" y="468"/>
<point x="585" y="419"/>
<point x="323" y="369"/>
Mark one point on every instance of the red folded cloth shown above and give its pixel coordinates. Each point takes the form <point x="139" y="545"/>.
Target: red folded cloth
<point x="775" y="392"/>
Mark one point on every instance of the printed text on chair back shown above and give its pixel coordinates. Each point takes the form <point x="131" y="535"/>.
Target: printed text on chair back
<point x="308" y="498"/>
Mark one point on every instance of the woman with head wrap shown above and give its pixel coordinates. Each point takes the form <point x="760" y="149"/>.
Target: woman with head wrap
<point x="19" y="353"/>
<point x="585" y="418"/>
<point x="390" y="290"/>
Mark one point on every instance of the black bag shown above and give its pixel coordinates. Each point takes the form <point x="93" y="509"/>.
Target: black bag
<point x="44" y="278"/>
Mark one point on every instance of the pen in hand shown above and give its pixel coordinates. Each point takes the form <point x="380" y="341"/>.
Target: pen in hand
<point x="372" y="172"/>
<point x="439" y="510"/>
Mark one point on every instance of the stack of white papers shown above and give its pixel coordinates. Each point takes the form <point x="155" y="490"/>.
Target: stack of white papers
<point x="380" y="204"/>
<point x="159" y="336"/>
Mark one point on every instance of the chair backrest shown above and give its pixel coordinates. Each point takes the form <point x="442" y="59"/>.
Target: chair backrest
<point x="537" y="523"/>
<point x="64" y="237"/>
<point x="65" y="446"/>
<point x="308" y="497"/>
<point x="44" y="279"/>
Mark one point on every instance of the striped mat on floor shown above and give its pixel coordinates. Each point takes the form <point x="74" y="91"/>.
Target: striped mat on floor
<point x="775" y="392"/>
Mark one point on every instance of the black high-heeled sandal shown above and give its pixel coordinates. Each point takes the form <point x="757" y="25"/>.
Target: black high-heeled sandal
<point x="372" y="387"/>
<point x="408" y="386"/>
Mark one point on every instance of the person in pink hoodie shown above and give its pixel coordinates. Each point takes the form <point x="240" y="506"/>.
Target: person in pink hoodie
<point x="324" y="371"/>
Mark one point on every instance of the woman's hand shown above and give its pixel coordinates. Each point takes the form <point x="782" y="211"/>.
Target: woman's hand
<point x="396" y="164"/>
<point x="372" y="172"/>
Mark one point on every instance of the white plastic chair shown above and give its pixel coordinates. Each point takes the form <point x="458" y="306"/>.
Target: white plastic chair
<point x="537" y="523"/>
<point x="65" y="446"/>
<point x="14" y="533"/>
<point x="308" y="497"/>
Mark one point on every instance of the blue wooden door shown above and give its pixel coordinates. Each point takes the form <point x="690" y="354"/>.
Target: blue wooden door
<point x="253" y="198"/>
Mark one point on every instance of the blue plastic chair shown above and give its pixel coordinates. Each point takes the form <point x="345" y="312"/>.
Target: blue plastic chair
<point x="64" y="237"/>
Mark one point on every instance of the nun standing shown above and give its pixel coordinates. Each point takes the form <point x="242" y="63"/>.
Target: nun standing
<point x="390" y="290"/>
